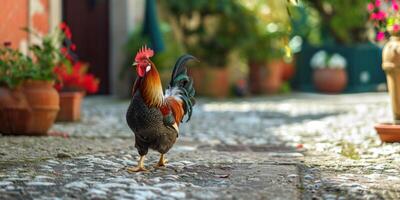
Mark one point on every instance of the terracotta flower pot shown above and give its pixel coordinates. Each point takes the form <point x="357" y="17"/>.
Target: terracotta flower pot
<point x="388" y="132"/>
<point x="288" y="70"/>
<point x="44" y="102"/>
<point x="265" y="78"/>
<point x="15" y="113"/>
<point x="211" y="81"/>
<point x="330" y="80"/>
<point x="70" y="106"/>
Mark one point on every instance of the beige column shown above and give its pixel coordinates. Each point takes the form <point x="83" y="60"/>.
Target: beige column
<point x="55" y="15"/>
<point x="125" y="15"/>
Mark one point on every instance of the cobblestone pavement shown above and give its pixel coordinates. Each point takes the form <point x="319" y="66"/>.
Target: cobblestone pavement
<point x="301" y="146"/>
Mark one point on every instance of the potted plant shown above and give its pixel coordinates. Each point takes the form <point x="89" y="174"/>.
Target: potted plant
<point x="329" y="74"/>
<point x="209" y="30"/>
<point x="264" y="43"/>
<point x="264" y="76"/>
<point x="386" y="19"/>
<point x="40" y="79"/>
<point x="15" y="112"/>
<point x="73" y="81"/>
<point x="30" y="85"/>
<point x="337" y="26"/>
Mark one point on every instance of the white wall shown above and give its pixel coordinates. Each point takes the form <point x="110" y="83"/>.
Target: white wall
<point x="125" y="15"/>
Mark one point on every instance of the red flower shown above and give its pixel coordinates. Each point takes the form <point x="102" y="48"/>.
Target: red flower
<point x="64" y="27"/>
<point x="73" y="47"/>
<point x="7" y="44"/>
<point x="90" y="83"/>
<point x="64" y="50"/>
<point x="75" y="77"/>
<point x="68" y="33"/>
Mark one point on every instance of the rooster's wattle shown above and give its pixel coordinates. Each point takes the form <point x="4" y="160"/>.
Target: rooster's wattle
<point x="153" y="116"/>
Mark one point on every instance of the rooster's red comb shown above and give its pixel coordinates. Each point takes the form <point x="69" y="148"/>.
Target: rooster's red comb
<point x="144" y="53"/>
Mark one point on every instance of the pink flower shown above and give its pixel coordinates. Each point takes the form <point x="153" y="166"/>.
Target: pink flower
<point x="380" y="36"/>
<point x="395" y="6"/>
<point x="378" y="3"/>
<point x="380" y="15"/>
<point x="396" y="28"/>
<point x="370" y="7"/>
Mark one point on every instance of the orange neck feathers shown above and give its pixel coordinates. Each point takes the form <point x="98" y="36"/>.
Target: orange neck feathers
<point x="151" y="89"/>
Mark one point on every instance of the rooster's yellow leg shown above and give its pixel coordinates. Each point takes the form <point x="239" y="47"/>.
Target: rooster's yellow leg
<point x="139" y="168"/>
<point x="162" y="161"/>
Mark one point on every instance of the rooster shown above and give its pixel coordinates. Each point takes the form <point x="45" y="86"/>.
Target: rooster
<point x="153" y="116"/>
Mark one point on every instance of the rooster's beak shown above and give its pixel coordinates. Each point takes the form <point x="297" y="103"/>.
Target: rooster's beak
<point x="134" y="64"/>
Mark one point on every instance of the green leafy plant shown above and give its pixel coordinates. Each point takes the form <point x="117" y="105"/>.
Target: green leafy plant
<point x="14" y="66"/>
<point x="349" y="150"/>
<point x="209" y="29"/>
<point x="47" y="55"/>
<point x="266" y="32"/>
<point x="343" y="21"/>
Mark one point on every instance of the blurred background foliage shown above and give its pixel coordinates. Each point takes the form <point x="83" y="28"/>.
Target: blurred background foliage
<point x="331" y="21"/>
<point x="235" y="33"/>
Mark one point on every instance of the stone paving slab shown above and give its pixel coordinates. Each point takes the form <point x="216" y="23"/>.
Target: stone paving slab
<point x="31" y="149"/>
<point x="343" y="156"/>
<point x="189" y="175"/>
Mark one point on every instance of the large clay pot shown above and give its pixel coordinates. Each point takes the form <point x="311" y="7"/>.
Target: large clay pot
<point x="288" y="70"/>
<point x="44" y="102"/>
<point x="391" y="66"/>
<point x="70" y="106"/>
<point x="265" y="78"/>
<point x="211" y="81"/>
<point x="330" y="80"/>
<point x="15" y="113"/>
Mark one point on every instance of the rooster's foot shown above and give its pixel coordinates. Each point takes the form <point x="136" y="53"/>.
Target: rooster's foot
<point x="139" y="168"/>
<point x="136" y="169"/>
<point x="161" y="162"/>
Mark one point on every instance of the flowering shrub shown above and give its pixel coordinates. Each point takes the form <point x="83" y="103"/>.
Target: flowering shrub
<point x="13" y="66"/>
<point x="385" y="17"/>
<point x="75" y="78"/>
<point x="46" y="54"/>
<point x="72" y="74"/>
<point x="321" y="60"/>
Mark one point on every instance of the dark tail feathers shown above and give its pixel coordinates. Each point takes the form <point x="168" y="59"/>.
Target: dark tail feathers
<point x="184" y="83"/>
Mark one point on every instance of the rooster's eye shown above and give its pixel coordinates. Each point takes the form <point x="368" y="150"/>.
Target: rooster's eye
<point x="148" y="68"/>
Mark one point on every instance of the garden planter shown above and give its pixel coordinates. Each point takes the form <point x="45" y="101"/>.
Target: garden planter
<point x="330" y="80"/>
<point x="44" y="102"/>
<point x="265" y="78"/>
<point x="70" y="106"/>
<point x="391" y="66"/>
<point x="288" y="70"/>
<point x="15" y="114"/>
<point x="362" y="71"/>
<point x="211" y="81"/>
<point x="388" y="132"/>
